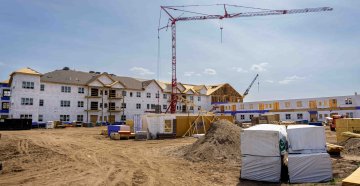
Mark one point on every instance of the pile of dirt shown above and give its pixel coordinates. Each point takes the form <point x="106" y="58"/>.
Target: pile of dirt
<point x="351" y="146"/>
<point x="220" y="143"/>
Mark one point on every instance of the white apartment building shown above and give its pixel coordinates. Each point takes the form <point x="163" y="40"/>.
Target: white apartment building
<point x="312" y="109"/>
<point x="69" y="95"/>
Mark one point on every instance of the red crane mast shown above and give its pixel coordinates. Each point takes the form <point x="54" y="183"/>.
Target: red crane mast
<point x="202" y="16"/>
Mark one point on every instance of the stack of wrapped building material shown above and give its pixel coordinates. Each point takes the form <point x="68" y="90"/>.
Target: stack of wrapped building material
<point x="262" y="147"/>
<point x="307" y="159"/>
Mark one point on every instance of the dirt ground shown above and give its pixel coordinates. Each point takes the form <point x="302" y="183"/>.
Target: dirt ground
<point x="80" y="156"/>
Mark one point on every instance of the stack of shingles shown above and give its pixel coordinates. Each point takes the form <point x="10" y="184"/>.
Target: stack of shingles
<point x="307" y="159"/>
<point x="262" y="147"/>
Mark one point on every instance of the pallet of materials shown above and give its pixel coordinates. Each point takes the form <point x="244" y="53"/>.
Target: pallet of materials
<point x="306" y="139"/>
<point x="346" y="125"/>
<point x="141" y="136"/>
<point x="166" y="135"/>
<point x="309" y="168"/>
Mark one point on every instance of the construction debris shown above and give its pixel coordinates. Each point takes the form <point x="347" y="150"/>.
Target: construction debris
<point x="220" y="143"/>
<point x="351" y="146"/>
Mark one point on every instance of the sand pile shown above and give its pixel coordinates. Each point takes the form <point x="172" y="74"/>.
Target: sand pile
<point x="221" y="143"/>
<point x="352" y="146"/>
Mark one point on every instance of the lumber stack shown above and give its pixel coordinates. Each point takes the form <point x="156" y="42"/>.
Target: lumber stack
<point x="346" y="125"/>
<point x="353" y="179"/>
<point x="262" y="147"/>
<point x="308" y="161"/>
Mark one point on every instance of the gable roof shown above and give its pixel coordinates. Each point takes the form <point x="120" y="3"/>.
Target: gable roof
<point x="26" y="70"/>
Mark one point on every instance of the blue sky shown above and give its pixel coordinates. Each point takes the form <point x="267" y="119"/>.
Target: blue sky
<point x="301" y="55"/>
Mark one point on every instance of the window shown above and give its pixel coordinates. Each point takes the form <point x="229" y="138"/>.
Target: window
<point x="148" y="95"/>
<point x="41" y="118"/>
<point x="251" y="116"/>
<point x="348" y="101"/>
<point x="157" y="95"/>
<point x="320" y="103"/>
<point x="168" y="126"/>
<point x="28" y="85"/>
<point x="138" y="94"/>
<point x="80" y="118"/>
<point x="299" y="103"/>
<point x="123" y="93"/>
<point x="27" y="101"/>
<point x="123" y="105"/>
<point x="287" y="116"/>
<point x="199" y="98"/>
<point x="42" y="87"/>
<point x="299" y="116"/>
<point x="123" y="117"/>
<point x="105" y="105"/>
<point x="242" y="117"/>
<point x="25" y="116"/>
<point x="320" y="116"/>
<point x="148" y="106"/>
<point x="164" y="107"/>
<point x="191" y="98"/>
<point x="64" y="103"/>
<point x="165" y="96"/>
<point x="349" y="115"/>
<point x="94" y="105"/>
<point x="191" y="108"/>
<point x="5" y="106"/>
<point x="64" y="117"/>
<point x="326" y="115"/>
<point x="101" y="92"/>
<point x="80" y="104"/>
<point x="94" y="92"/>
<point x="131" y="94"/>
<point x="41" y="102"/>
<point x="106" y="92"/>
<point x="138" y="106"/>
<point x="287" y="104"/>
<point x="6" y="93"/>
<point x="101" y="105"/>
<point x="65" y="89"/>
<point x="81" y="90"/>
<point x="199" y="107"/>
<point x="153" y="106"/>
<point x="242" y="107"/>
<point x="251" y="106"/>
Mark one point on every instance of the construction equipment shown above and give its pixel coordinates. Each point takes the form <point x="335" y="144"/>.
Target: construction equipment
<point x="202" y="16"/>
<point x="251" y="84"/>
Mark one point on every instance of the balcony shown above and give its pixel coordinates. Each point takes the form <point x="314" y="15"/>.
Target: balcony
<point x="93" y="96"/>
<point x="115" y="96"/>
<point x="93" y="110"/>
<point x="115" y="109"/>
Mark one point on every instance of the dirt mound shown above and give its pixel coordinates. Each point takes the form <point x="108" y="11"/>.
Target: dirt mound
<point x="352" y="146"/>
<point x="220" y="143"/>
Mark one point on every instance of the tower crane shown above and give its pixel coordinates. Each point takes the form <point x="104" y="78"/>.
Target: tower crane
<point x="173" y="19"/>
<point x="251" y="84"/>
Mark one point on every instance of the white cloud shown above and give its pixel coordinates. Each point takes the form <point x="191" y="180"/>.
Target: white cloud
<point x="197" y="74"/>
<point x="189" y="74"/>
<point x="259" y="67"/>
<point x="141" y="71"/>
<point x="239" y="69"/>
<point x="209" y="71"/>
<point x="269" y="81"/>
<point x="290" y="79"/>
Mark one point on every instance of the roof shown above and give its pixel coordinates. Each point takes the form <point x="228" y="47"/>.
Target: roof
<point x="83" y="78"/>
<point x="5" y="81"/>
<point x="27" y="70"/>
<point x="212" y="88"/>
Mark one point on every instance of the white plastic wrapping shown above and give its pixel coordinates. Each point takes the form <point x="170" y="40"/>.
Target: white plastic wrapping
<point x="264" y="140"/>
<point x="155" y="123"/>
<point x="309" y="168"/>
<point x="304" y="139"/>
<point x="261" y="168"/>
